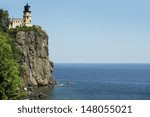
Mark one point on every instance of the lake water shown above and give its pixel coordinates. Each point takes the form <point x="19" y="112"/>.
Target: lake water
<point x="101" y="82"/>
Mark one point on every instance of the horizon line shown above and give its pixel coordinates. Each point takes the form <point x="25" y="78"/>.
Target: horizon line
<point x="96" y="63"/>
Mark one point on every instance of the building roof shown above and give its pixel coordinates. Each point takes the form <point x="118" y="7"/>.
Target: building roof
<point x="16" y="19"/>
<point x="27" y="5"/>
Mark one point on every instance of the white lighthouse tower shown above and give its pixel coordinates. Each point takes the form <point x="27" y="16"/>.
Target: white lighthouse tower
<point x="27" y="19"/>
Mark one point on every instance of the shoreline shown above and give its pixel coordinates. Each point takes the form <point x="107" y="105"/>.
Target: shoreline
<point x="37" y="92"/>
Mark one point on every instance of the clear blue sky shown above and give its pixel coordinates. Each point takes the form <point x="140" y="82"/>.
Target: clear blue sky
<point x="91" y="31"/>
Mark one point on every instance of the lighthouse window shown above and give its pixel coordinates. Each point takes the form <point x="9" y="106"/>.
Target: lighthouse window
<point x="27" y="17"/>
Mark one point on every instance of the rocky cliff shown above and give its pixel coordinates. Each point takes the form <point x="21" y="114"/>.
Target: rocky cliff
<point x="34" y="57"/>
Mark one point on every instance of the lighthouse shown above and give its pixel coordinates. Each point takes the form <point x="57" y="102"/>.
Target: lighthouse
<point x="27" y="19"/>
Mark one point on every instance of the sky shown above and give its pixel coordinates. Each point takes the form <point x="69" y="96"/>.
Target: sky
<point x="91" y="31"/>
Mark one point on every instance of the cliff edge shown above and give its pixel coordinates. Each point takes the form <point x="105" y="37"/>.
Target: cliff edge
<point x="34" y="57"/>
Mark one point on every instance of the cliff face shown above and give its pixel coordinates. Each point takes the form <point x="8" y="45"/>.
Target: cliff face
<point x="33" y="47"/>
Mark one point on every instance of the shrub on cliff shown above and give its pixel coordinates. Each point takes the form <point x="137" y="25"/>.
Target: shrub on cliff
<point x="10" y="81"/>
<point x="13" y="31"/>
<point x="4" y="20"/>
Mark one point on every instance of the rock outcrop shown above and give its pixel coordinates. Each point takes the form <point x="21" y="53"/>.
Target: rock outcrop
<point x="34" y="57"/>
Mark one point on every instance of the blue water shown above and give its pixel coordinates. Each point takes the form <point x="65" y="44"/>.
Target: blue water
<point x="101" y="82"/>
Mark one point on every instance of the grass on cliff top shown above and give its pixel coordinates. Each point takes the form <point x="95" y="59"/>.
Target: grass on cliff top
<point x="26" y="29"/>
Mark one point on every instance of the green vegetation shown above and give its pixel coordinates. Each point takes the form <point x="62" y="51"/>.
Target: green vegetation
<point x="4" y="20"/>
<point x="13" y="31"/>
<point x="11" y="82"/>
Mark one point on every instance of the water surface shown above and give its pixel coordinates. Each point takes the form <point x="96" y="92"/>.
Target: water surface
<point x="101" y="82"/>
